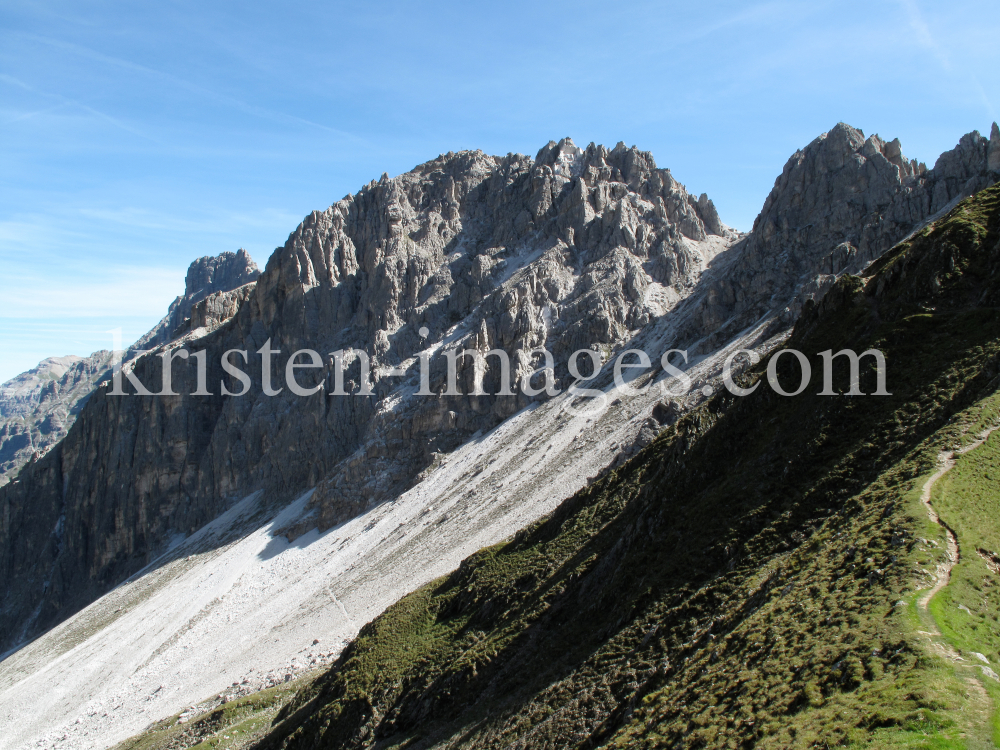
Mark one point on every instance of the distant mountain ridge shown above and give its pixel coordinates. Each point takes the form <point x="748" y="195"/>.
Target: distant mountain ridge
<point x="39" y="406"/>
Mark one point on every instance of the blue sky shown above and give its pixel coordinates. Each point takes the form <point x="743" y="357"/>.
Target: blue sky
<point x="135" y="137"/>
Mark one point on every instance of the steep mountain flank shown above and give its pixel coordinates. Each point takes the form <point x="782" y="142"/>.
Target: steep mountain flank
<point x="571" y="249"/>
<point x="674" y="604"/>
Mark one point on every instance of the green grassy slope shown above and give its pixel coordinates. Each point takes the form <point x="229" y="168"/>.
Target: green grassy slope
<point x="234" y="725"/>
<point x="967" y="611"/>
<point x="746" y="581"/>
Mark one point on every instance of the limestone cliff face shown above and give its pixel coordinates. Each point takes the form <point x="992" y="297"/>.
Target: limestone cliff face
<point x="573" y="249"/>
<point x="839" y="203"/>
<point x="576" y="248"/>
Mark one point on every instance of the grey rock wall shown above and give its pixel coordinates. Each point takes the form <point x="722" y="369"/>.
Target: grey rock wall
<point x="838" y="204"/>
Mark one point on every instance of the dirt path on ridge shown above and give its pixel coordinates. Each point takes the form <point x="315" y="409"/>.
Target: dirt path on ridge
<point x="935" y="640"/>
<point x="943" y="575"/>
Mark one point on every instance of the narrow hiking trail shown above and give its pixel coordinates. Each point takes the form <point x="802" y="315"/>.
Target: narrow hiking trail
<point x="946" y="460"/>
<point x="935" y="640"/>
<point x="943" y="575"/>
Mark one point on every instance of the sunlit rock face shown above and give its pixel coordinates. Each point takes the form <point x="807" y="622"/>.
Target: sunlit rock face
<point x="838" y="204"/>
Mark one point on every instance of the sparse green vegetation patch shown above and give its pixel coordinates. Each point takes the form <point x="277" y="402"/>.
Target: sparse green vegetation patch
<point x="229" y="726"/>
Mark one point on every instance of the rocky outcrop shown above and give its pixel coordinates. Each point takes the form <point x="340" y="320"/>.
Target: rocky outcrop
<point x="839" y="203"/>
<point x="217" y="308"/>
<point x="993" y="153"/>
<point x="205" y="277"/>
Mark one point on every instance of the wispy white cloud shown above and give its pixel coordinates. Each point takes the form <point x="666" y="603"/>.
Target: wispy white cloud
<point x="928" y="40"/>
<point x="252" y="109"/>
<point x="74" y="238"/>
<point x="34" y="234"/>
<point x="35" y="113"/>
<point x="105" y="292"/>
<point x="66" y="101"/>
<point x="24" y="343"/>
<point x="923" y="32"/>
<point x="751" y="15"/>
<point x="145" y="219"/>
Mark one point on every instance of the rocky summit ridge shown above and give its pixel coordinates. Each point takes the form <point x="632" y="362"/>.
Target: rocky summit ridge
<point x="838" y="204"/>
<point x="575" y="248"/>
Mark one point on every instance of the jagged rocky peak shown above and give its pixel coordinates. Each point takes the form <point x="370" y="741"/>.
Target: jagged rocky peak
<point x="221" y="273"/>
<point x="993" y="153"/>
<point x="429" y="244"/>
<point x="212" y="280"/>
<point x="20" y="394"/>
<point x="574" y="248"/>
<point x="838" y="204"/>
<point x="842" y="180"/>
<point x="637" y="171"/>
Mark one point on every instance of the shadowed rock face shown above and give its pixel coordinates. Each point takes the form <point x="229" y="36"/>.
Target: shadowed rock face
<point x="574" y="249"/>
